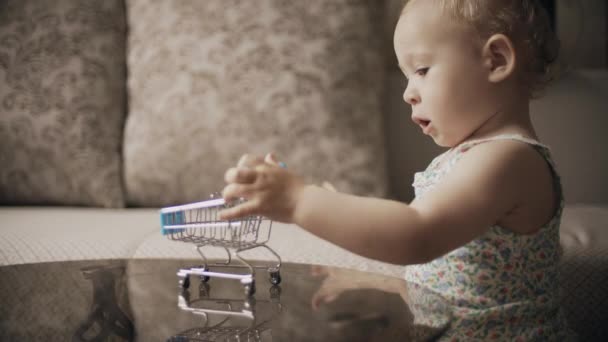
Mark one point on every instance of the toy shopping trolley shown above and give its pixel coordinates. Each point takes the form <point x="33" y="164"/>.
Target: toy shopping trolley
<point x="198" y="223"/>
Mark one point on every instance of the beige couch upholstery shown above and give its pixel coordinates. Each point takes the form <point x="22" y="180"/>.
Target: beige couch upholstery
<point x="103" y="128"/>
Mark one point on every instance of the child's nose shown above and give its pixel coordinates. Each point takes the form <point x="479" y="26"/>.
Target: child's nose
<point x="410" y="95"/>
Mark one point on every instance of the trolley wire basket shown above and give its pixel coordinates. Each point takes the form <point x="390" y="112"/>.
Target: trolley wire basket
<point x="199" y="224"/>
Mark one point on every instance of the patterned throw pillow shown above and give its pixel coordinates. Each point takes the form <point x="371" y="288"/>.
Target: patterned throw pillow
<point x="62" y="102"/>
<point x="211" y="80"/>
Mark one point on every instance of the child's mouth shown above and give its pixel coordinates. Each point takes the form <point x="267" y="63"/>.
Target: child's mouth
<point x="423" y="123"/>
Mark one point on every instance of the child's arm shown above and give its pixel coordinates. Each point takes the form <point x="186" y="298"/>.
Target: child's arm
<point x="483" y="186"/>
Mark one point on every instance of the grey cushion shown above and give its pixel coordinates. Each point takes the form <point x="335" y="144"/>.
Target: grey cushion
<point x="211" y="80"/>
<point x="62" y="102"/>
<point x="584" y="271"/>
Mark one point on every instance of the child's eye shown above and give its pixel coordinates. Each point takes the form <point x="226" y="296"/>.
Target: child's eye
<point x="422" y="71"/>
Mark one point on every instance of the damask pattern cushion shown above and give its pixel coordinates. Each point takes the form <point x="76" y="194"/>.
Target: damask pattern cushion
<point x="584" y="270"/>
<point x="212" y="80"/>
<point x="62" y="102"/>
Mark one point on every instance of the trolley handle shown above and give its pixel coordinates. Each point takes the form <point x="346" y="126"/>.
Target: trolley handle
<point x="174" y="219"/>
<point x="197" y="205"/>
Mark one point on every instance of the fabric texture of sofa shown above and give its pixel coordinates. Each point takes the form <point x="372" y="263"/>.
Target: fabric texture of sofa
<point x="63" y="94"/>
<point x="110" y="110"/>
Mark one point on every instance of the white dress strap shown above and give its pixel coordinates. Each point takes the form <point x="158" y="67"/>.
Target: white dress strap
<point x="454" y="154"/>
<point x="518" y="137"/>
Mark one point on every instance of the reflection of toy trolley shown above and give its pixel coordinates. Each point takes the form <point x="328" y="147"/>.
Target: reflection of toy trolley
<point x="198" y="223"/>
<point x="238" y="319"/>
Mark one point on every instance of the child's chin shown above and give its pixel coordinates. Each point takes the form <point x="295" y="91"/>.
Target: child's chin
<point x="443" y="141"/>
<point x="439" y="141"/>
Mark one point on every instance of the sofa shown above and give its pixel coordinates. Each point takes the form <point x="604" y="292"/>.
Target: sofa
<point x="111" y="110"/>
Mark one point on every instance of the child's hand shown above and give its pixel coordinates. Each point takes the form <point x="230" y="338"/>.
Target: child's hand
<point x="270" y="190"/>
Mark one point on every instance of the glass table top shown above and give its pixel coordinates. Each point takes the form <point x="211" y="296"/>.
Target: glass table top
<point x="143" y="300"/>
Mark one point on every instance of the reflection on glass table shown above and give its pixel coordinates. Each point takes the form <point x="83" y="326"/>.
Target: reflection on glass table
<point x="105" y="318"/>
<point x="351" y="302"/>
<point x="228" y="319"/>
<point x="140" y="300"/>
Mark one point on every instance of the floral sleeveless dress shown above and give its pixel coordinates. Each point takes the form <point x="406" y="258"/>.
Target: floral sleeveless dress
<point x="502" y="285"/>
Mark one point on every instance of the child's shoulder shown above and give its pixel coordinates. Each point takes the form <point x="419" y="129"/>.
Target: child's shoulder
<point x="502" y="182"/>
<point x="517" y="161"/>
<point x="518" y="171"/>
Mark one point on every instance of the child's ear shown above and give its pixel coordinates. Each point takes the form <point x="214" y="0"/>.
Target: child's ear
<point x="499" y="57"/>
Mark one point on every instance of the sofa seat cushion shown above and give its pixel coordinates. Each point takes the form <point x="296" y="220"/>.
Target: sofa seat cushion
<point x="290" y="242"/>
<point x="42" y="234"/>
<point x="47" y="234"/>
<point x="31" y="235"/>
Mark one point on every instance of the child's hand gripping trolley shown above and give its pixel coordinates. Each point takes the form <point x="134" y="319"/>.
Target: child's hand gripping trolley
<point x="199" y="223"/>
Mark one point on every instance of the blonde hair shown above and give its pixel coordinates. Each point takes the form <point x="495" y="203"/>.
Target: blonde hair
<point x="525" y="22"/>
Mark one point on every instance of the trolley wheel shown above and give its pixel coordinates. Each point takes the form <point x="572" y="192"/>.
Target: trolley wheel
<point x="275" y="277"/>
<point x="275" y="292"/>
<point x="203" y="290"/>
<point x="186" y="295"/>
<point x="185" y="282"/>
<point x="250" y="289"/>
<point x="249" y="303"/>
<point x="204" y="278"/>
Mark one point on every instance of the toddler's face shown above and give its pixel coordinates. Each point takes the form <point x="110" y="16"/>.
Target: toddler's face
<point x="448" y="86"/>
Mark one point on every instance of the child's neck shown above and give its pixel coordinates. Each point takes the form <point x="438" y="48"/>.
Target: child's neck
<point x="510" y="118"/>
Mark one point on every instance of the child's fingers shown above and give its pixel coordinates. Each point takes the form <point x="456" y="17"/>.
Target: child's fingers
<point x="248" y="160"/>
<point x="245" y="209"/>
<point x="234" y="190"/>
<point x="240" y="175"/>
<point x="271" y="158"/>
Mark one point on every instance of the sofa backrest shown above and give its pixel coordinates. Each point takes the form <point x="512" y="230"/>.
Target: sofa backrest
<point x="62" y="102"/>
<point x="211" y="80"/>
